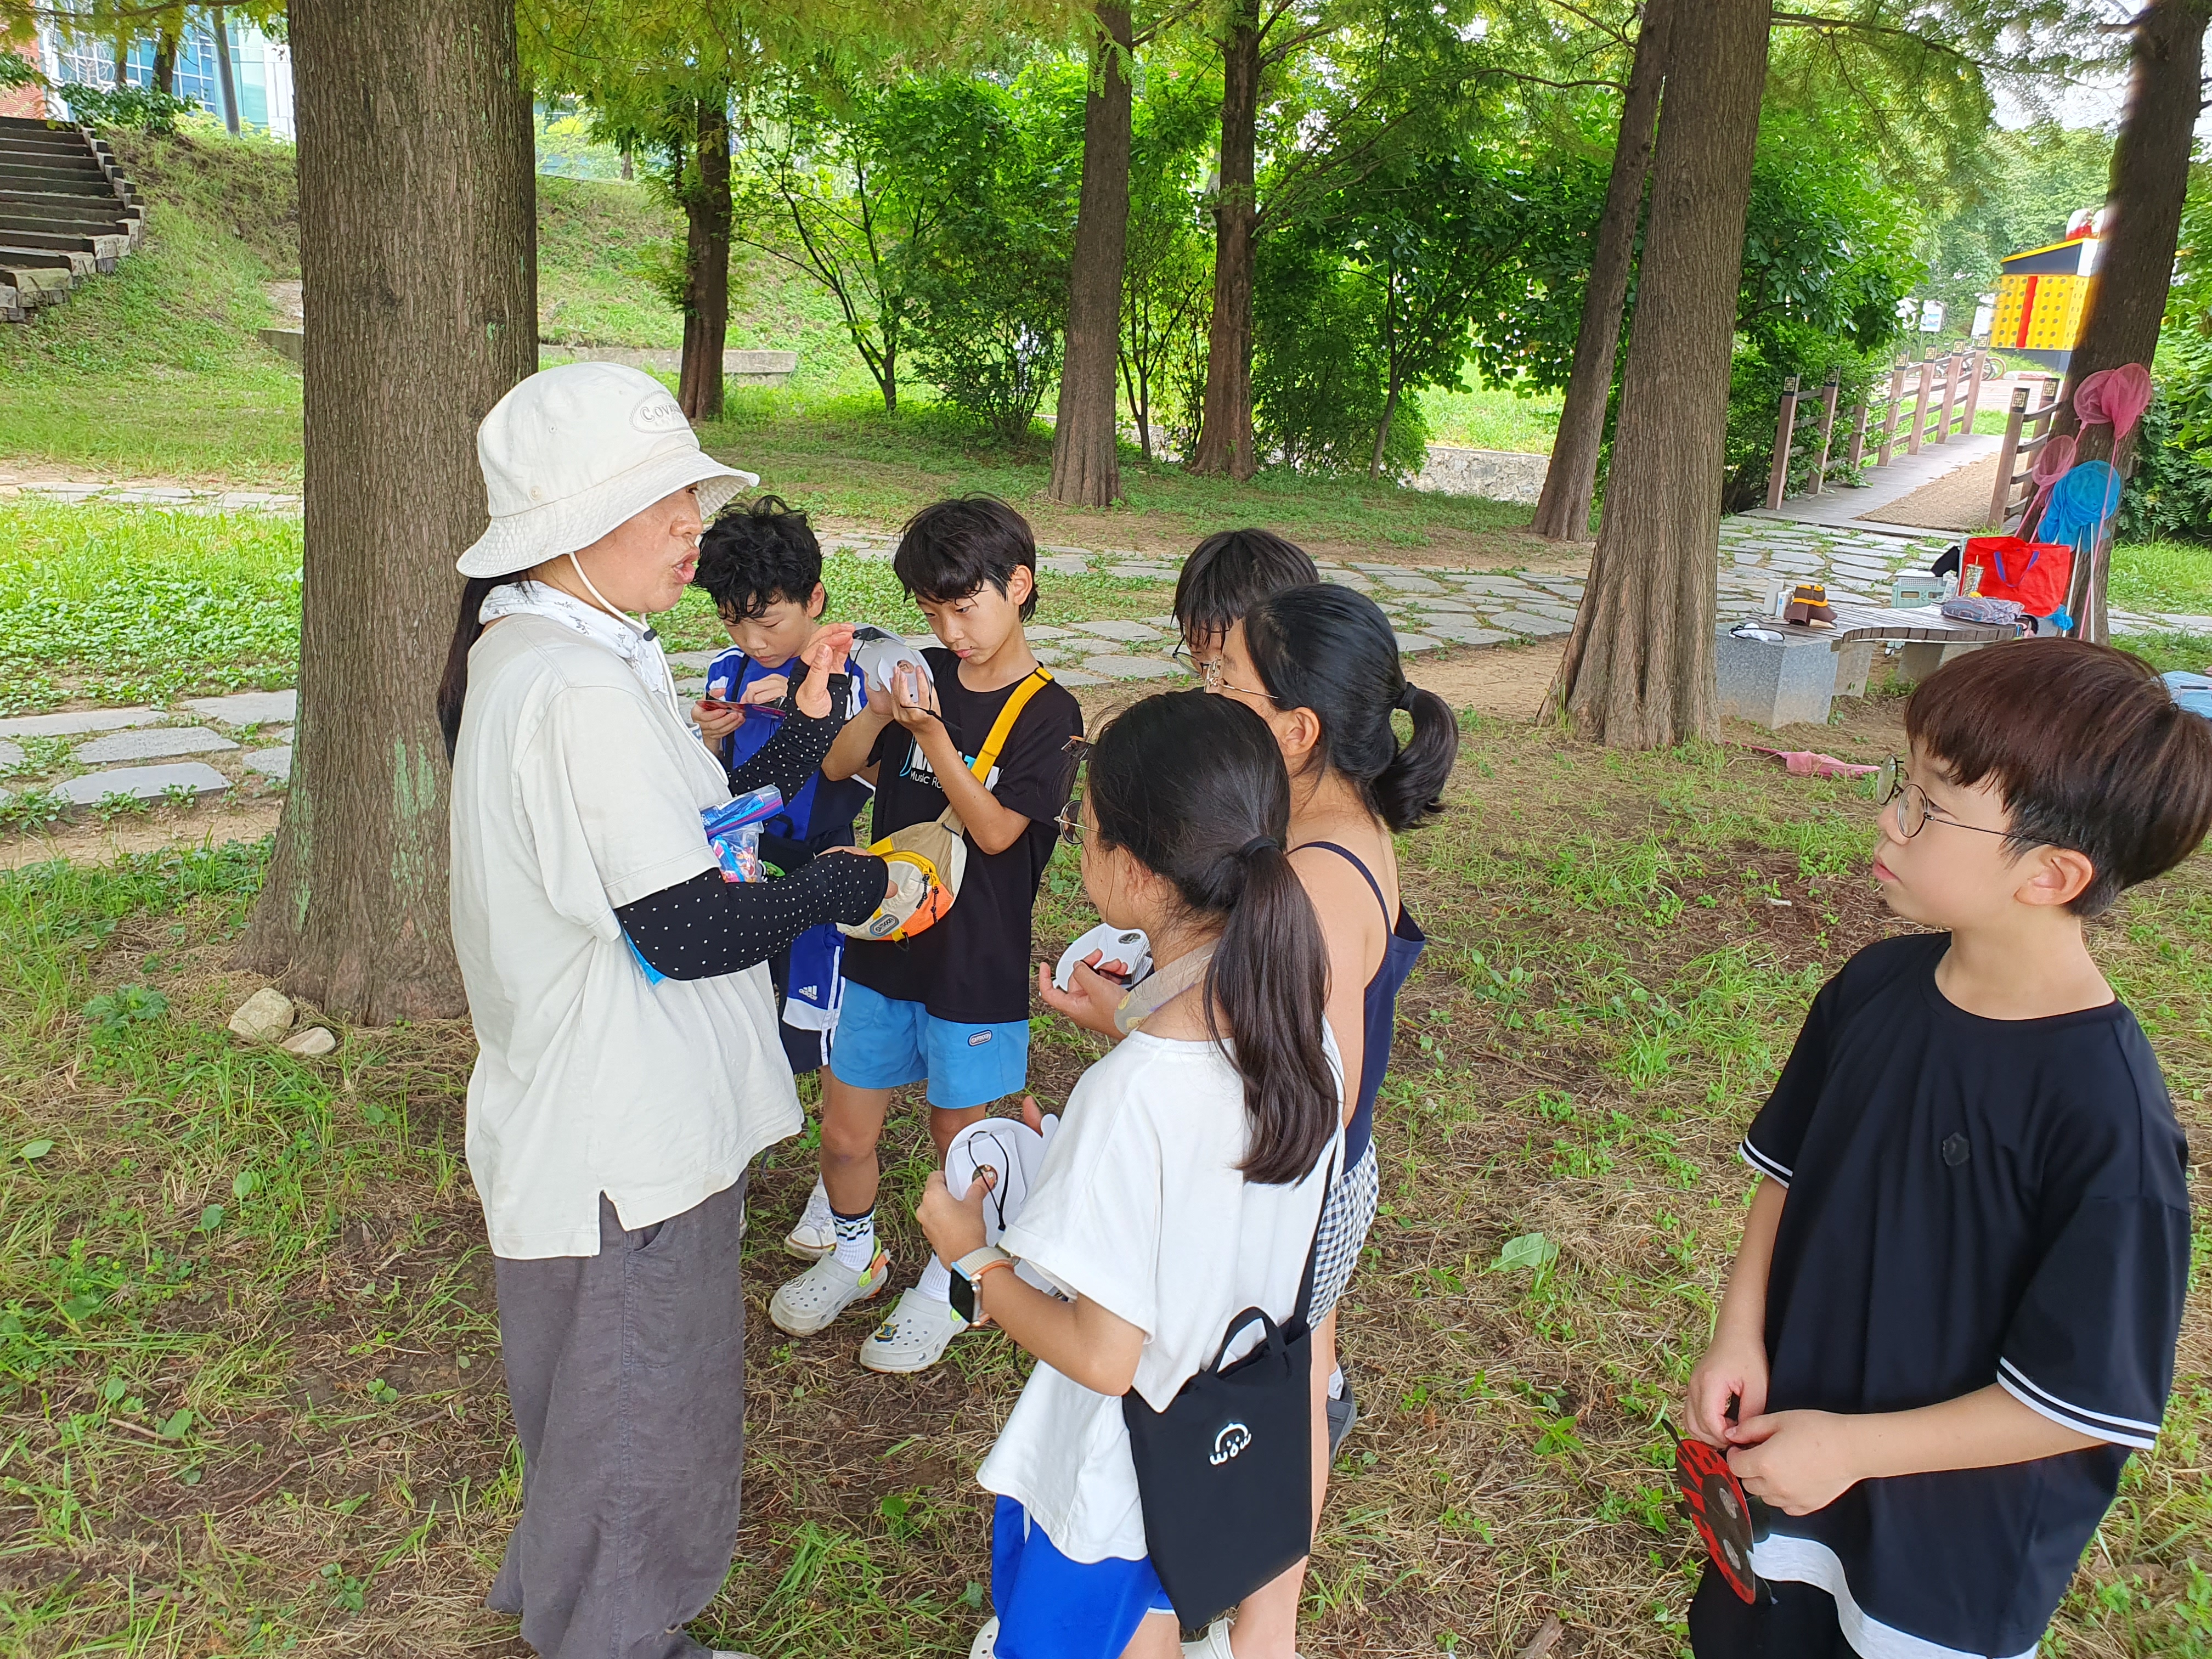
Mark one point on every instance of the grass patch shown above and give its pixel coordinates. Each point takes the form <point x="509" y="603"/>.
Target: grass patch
<point x="1492" y="417"/>
<point x="248" y="1365"/>
<point x="2156" y="576"/>
<point x="127" y="605"/>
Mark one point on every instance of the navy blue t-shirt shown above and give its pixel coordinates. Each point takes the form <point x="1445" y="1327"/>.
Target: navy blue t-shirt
<point x="1970" y="1201"/>
<point x="821" y="814"/>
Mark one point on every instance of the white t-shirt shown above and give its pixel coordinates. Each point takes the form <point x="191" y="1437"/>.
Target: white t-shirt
<point x="574" y="792"/>
<point x="1139" y="1207"/>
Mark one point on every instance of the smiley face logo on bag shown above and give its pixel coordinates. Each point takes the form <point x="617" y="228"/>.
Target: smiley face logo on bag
<point x="1232" y="1439"/>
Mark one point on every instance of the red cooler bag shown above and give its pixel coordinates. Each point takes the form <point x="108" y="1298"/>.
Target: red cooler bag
<point x="2036" y="575"/>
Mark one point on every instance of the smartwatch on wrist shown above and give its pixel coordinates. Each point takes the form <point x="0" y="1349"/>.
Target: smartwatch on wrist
<point x="968" y="1277"/>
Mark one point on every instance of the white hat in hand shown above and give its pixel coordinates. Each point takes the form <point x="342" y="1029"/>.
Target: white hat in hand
<point x="573" y="452"/>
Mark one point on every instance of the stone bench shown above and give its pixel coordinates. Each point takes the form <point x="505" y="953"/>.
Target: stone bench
<point x="1795" y="680"/>
<point x="744" y="367"/>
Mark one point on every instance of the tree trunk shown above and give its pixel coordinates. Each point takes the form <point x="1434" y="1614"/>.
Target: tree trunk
<point x="226" y="81"/>
<point x="165" y="62"/>
<point x="2142" y="228"/>
<point x="416" y="243"/>
<point x="1225" y="427"/>
<point x="1638" y="669"/>
<point x="1086" y="468"/>
<point x="1382" y="430"/>
<point x="706" y="300"/>
<point x="1563" y="511"/>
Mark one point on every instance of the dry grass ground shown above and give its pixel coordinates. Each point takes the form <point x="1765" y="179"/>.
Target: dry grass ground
<point x="250" y="1395"/>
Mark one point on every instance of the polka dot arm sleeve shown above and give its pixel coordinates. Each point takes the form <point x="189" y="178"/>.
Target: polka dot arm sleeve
<point x="707" y="927"/>
<point x="796" y="750"/>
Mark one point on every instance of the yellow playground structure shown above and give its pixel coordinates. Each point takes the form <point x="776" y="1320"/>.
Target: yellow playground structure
<point x="2044" y="295"/>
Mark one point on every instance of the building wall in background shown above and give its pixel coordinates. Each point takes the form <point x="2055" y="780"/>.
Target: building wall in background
<point x="261" y="69"/>
<point x="23" y="100"/>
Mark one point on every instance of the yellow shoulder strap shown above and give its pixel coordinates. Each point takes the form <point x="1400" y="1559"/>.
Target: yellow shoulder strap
<point x="987" y="756"/>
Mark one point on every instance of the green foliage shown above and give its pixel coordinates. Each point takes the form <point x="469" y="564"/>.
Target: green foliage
<point x="142" y="109"/>
<point x="1318" y="391"/>
<point x="117" y="1011"/>
<point x="990" y="290"/>
<point x="1167" y="271"/>
<point x="2027" y="182"/>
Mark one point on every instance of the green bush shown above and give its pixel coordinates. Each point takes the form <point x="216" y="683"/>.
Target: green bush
<point x="1317" y="384"/>
<point x="2170" y="495"/>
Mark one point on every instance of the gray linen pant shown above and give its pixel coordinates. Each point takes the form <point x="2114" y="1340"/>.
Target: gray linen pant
<point x="626" y="1372"/>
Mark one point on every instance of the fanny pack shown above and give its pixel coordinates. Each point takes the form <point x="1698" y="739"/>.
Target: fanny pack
<point x="928" y="860"/>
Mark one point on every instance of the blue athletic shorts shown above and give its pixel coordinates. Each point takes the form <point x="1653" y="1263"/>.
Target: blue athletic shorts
<point x="1051" y="1607"/>
<point x="882" y="1044"/>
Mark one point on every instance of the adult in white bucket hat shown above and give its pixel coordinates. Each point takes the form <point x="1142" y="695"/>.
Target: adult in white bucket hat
<point x="628" y="1067"/>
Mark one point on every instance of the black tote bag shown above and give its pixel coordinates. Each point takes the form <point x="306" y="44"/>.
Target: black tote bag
<point x="1225" y="1473"/>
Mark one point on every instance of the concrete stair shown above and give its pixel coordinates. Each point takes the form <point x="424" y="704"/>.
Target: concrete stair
<point x="65" y="213"/>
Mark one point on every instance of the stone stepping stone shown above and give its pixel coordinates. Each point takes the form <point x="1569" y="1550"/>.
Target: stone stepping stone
<point x="143" y="782"/>
<point x="1143" y="571"/>
<point x="1131" y="668"/>
<point x="275" y="764"/>
<point x="1466" y="633"/>
<point x="154" y="744"/>
<point x="1165" y="624"/>
<point x="1076" y="676"/>
<point x="676" y="659"/>
<point x="1039" y="631"/>
<point x="1065" y="564"/>
<point x="251" y="707"/>
<point x="11" y="754"/>
<point x="1413" y="642"/>
<point x="1403" y="581"/>
<point x="82" y="719"/>
<point x="1533" y="628"/>
<point x="2186" y="623"/>
<point x="1129" y="633"/>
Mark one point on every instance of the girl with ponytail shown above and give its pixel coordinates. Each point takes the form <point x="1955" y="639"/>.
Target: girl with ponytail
<point x="1184" y="1185"/>
<point x="1319" y="664"/>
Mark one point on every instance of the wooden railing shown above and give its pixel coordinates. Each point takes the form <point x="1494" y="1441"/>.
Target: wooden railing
<point x="2028" y="427"/>
<point x="1936" y="381"/>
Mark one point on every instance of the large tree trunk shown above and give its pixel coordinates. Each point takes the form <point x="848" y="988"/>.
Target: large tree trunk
<point x="165" y="62"/>
<point x="1563" y="511"/>
<point x="1086" y="470"/>
<point x="226" y="81"/>
<point x="707" y="299"/>
<point x="1224" y="429"/>
<point x="2142" y="228"/>
<point x="1638" y="670"/>
<point x="418" y="253"/>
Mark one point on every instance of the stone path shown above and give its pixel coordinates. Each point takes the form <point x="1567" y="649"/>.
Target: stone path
<point x="214" y="745"/>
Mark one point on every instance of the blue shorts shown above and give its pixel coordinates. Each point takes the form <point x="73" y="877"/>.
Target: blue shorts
<point x="882" y="1044"/>
<point x="1051" y="1607"/>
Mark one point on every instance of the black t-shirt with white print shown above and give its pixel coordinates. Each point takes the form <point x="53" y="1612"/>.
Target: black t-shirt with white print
<point x="973" y="967"/>
<point x="1970" y="1201"/>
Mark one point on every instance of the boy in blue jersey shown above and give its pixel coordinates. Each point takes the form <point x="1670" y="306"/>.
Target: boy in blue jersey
<point x="762" y="566"/>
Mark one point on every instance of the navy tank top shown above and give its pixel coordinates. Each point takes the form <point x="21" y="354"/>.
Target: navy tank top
<point x="1380" y="1005"/>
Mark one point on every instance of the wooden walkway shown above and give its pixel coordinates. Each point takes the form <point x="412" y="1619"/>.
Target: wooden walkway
<point x="1860" y="509"/>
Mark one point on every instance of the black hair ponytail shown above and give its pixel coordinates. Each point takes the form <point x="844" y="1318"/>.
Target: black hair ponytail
<point x="1193" y="787"/>
<point x="453" y="683"/>
<point x="1332" y="650"/>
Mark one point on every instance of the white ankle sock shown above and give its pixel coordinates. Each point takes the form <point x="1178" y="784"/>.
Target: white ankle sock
<point x="856" y="1240"/>
<point x="1336" y="1383"/>
<point x="936" y="1282"/>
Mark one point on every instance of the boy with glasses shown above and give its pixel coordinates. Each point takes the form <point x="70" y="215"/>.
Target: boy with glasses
<point x="1954" y="1308"/>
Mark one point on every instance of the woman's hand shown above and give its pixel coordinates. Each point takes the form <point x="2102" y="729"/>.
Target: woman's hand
<point x="1090" y="1001"/>
<point x="769" y="688"/>
<point x="825" y="656"/>
<point x="890" y="889"/>
<point x="954" y="1227"/>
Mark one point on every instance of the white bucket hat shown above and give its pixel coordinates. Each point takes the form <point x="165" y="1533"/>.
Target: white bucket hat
<point x="572" y="452"/>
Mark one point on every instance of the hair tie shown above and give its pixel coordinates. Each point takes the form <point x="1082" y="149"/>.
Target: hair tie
<point x="1406" y="697"/>
<point x="1257" y="844"/>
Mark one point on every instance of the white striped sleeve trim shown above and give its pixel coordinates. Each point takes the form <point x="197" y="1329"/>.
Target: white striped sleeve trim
<point x="2120" y="1430"/>
<point x="1760" y="1161"/>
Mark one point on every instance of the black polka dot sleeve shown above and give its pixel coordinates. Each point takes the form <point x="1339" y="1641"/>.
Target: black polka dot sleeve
<point x="707" y="927"/>
<point x="796" y="750"/>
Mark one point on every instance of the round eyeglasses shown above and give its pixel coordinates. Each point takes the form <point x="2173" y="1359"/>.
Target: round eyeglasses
<point x="1914" y="813"/>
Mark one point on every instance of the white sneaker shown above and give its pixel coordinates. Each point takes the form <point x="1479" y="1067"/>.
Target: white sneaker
<point x="805" y="1304"/>
<point x="816" y="1234"/>
<point x="914" y="1337"/>
<point x="1213" y="1645"/>
<point x="986" y="1644"/>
